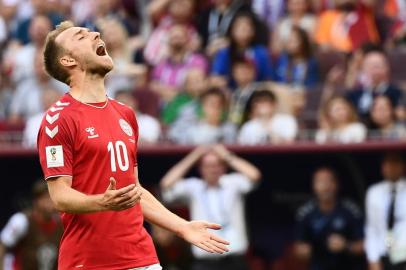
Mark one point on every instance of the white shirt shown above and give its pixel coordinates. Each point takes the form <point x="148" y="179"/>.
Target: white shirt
<point x="31" y="129"/>
<point x="15" y="229"/>
<point x="27" y="99"/>
<point x="280" y="126"/>
<point x="150" y="129"/>
<point x="377" y="207"/>
<point x="223" y="205"/>
<point x="352" y="133"/>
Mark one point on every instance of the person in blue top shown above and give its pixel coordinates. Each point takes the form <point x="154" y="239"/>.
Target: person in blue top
<point x="296" y="64"/>
<point x="329" y="230"/>
<point x="243" y="40"/>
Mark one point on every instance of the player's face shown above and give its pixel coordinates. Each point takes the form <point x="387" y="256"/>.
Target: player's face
<point x="86" y="50"/>
<point x="324" y="185"/>
<point x="212" y="168"/>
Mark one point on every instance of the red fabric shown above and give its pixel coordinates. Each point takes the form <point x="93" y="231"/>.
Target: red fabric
<point x="364" y="29"/>
<point x="104" y="240"/>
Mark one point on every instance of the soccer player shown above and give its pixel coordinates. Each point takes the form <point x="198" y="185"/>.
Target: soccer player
<point x="87" y="145"/>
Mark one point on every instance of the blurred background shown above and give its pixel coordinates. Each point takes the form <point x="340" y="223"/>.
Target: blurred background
<point x="312" y="93"/>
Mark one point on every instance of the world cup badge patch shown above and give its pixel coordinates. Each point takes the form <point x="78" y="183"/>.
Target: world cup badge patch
<point x="54" y="155"/>
<point x="126" y="127"/>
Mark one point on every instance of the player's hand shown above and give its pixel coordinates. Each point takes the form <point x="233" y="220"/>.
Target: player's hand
<point x="336" y="243"/>
<point x="120" y="199"/>
<point x="198" y="234"/>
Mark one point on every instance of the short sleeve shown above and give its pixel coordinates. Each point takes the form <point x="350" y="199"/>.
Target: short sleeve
<point x="356" y="220"/>
<point x="239" y="181"/>
<point x="55" y="146"/>
<point x="302" y="227"/>
<point x="181" y="190"/>
<point x="15" y="229"/>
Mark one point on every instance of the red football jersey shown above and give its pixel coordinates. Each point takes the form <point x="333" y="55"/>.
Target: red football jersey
<point x="91" y="143"/>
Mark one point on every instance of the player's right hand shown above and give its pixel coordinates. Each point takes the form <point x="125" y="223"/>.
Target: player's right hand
<point x="120" y="199"/>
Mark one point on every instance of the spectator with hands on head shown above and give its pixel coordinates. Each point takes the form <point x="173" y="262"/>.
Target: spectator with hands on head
<point x="215" y="194"/>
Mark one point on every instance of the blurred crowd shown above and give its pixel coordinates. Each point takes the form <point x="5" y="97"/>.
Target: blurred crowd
<point x="222" y="71"/>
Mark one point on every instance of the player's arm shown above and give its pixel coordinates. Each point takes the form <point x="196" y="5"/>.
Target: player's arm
<point x="238" y="164"/>
<point x="194" y="232"/>
<point x="67" y="199"/>
<point x="178" y="171"/>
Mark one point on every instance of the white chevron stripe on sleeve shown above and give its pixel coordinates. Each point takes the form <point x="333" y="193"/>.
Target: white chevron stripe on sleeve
<point x="52" y="119"/>
<point x="54" y="109"/>
<point x="51" y="133"/>
<point x="59" y="103"/>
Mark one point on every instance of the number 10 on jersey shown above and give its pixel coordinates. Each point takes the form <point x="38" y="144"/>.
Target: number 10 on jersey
<point x="118" y="155"/>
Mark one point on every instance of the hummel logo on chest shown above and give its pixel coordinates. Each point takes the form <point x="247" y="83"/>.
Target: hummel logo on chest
<point x="92" y="133"/>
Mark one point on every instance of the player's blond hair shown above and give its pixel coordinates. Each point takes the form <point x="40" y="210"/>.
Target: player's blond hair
<point x="53" y="51"/>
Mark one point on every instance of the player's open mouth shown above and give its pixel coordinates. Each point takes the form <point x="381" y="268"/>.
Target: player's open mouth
<point x="101" y="50"/>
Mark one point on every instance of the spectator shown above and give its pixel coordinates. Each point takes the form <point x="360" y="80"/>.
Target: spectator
<point x="329" y="230"/>
<point x="214" y="23"/>
<point x="347" y="27"/>
<point x="243" y="73"/>
<point x="298" y="16"/>
<point x="48" y="97"/>
<point x="27" y="97"/>
<point x="125" y="72"/>
<point x="347" y="75"/>
<point x="265" y="125"/>
<point x="169" y="75"/>
<point x="209" y="126"/>
<point x="23" y="59"/>
<point x="393" y="22"/>
<point x="33" y="235"/>
<point x="341" y="123"/>
<point x="383" y="119"/>
<point x="216" y="195"/>
<point x="375" y="81"/>
<point x="169" y="13"/>
<point x="243" y="41"/>
<point x="296" y="65"/>
<point x="184" y="105"/>
<point x="47" y="8"/>
<point x="149" y="127"/>
<point x="386" y="217"/>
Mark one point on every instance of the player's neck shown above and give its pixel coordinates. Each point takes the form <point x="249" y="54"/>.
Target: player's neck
<point x="88" y="88"/>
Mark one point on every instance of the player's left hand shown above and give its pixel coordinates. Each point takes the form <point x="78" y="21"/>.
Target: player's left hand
<point x="198" y="234"/>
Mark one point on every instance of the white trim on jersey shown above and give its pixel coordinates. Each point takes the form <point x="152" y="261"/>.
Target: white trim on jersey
<point x="58" y="175"/>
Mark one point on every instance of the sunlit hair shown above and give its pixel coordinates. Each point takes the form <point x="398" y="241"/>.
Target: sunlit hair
<point x="53" y="51"/>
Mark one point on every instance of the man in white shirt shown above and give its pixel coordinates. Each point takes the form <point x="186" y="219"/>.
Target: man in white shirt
<point x="217" y="195"/>
<point x="385" y="242"/>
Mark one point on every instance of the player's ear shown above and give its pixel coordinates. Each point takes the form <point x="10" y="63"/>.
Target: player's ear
<point x="67" y="61"/>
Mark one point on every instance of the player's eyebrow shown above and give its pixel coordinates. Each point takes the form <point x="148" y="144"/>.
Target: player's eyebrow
<point x="81" y="30"/>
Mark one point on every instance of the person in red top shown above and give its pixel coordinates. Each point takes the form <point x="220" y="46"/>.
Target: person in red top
<point x="87" y="146"/>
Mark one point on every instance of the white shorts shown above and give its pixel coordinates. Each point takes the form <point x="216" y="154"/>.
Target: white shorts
<point x="151" y="267"/>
